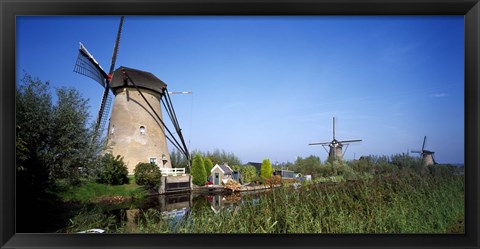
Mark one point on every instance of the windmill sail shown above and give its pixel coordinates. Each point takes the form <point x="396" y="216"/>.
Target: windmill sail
<point x="106" y="98"/>
<point x="424" y="140"/>
<point x="88" y="66"/>
<point x="319" y="143"/>
<point x="336" y="145"/>
<point x="350" y="141"/>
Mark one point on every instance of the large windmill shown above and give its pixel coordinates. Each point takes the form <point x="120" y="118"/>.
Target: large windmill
<point x="336" y="146"/>
<point x="136" y="129"/>
<point x="427" y="156"/>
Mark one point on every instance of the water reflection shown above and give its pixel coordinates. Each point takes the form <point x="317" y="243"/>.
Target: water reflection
<point x="173" y="208"/>
<point x="172" y="203"/>
<point x="181" y="203"/>
<point x="218" y="202"/>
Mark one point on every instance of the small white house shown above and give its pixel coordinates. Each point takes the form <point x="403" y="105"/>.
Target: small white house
<point x="221" y="174"/>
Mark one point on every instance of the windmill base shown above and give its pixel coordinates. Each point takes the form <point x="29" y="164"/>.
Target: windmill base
<point x="175" y="184"/>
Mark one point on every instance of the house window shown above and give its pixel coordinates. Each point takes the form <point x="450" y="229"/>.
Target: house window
<point x="142" y="130"/>
<point x="153" y="160"/>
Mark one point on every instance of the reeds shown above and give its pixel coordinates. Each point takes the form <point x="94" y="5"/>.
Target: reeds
<point x="400" y="203"/>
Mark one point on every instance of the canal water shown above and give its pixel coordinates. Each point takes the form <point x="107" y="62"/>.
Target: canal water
<point x="175" y="207"/>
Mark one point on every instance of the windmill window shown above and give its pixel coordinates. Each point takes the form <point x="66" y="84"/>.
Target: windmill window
<point x="112" y="131"/>
<point x="142" y="130"/>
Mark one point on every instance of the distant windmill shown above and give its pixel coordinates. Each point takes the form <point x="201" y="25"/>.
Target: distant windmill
<point x="427" y="156"/>
<point x="136" y="129"/>
<point x="336" y="146"/>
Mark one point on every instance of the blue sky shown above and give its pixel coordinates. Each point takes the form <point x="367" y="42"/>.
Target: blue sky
<point x="266" y="87"/>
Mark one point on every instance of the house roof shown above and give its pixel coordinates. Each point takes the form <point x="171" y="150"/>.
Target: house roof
<point x="258" y="166"/>
<point x="224" y="168"/>
<point x="141" y="78"/>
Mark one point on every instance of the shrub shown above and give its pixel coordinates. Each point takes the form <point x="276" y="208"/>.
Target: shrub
<point x="113" y="170"/>
<point x="199" y="176"/>
<point x="248" y="172"/>
<point x="258" y="179"/>
<point x="272" y="181"/>
<point x="208" y="165"/>
<point x="147" y="174"/>
<point x="441" y="169"/>
<point x="325" y="170"/>
<point x="266" y="170"/>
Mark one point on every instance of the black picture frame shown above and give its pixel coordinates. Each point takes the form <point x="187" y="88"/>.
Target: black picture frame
<point x="9" y="9"/>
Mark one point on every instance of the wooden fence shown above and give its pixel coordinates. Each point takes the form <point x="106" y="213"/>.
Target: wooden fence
<point x="173" y="171"/>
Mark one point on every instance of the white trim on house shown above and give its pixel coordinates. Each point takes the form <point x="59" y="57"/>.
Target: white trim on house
<point x="217" y="166"/>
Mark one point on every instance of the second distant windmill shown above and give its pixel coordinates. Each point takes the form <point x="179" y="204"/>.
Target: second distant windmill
<point x="336" y="146"/>
<point x="427" y="155"/>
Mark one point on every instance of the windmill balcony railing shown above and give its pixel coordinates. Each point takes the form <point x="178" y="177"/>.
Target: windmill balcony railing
<point x="173" y="171"/>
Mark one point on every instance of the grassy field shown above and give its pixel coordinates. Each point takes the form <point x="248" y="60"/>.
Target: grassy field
<point x="399" y="203"/>
<point x="92" y="192"/>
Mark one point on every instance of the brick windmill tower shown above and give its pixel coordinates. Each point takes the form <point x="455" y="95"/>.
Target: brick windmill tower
<point x="136" y="129"/>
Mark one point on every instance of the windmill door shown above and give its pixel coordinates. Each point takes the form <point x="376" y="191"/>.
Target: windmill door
<point x="216" y="179"/>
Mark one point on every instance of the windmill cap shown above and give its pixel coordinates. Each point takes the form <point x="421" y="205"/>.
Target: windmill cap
<point x="141" y="79"/>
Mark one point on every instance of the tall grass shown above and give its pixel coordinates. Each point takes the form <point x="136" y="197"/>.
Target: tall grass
<point x="403" y="202"/>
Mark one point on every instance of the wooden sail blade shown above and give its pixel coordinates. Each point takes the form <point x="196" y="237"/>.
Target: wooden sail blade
<point x="350" y="141"/>
<point x="87" y="65"/>
<point x="319" y="143"/>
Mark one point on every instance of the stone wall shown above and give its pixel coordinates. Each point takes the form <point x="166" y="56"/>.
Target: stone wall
<point x="174" y="179"/>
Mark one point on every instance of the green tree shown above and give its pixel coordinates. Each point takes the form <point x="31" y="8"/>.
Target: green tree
<point x="248" y="172"/>
<point x="53" y="146"/>
<point x="69" y="149"/>
<point x="266" y="170"/>
<point x="309" y="166"/>
<point x="147" y="174"/>
<point x="208" y="166"/>
<point x="178" y="160"/>
<point x="199" y="176"/>
<point x="113" y="171"/>
<point x="406" y="161"/>
<point x="33" y="122"/>
<point x="220" y="157"/>
<point x="53" y="142"/>
<point x="362" y="166"/>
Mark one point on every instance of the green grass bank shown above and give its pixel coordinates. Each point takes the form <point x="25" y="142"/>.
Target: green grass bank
<point x="93" y="192"/>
